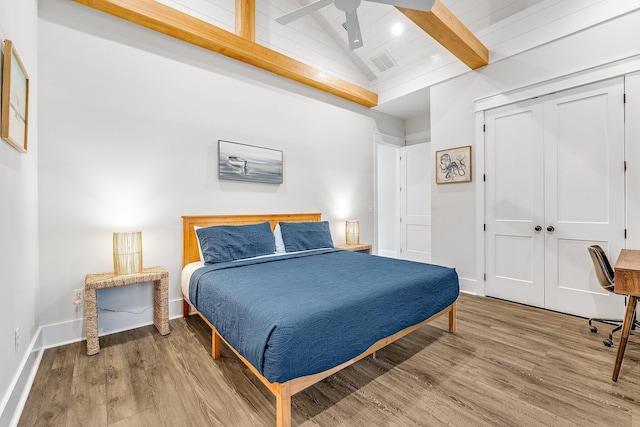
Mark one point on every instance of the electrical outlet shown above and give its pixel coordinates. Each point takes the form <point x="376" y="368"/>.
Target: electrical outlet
<point x="17" y="339"/>
<point x="78" y="296"/>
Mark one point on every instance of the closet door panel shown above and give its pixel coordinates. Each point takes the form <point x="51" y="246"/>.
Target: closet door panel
<point x="387" y="199"/>
<point x="514" y="204"/>
<point x="584" y="195"/>
<point x="580" y="150"/>
<point x="415" y="203"/>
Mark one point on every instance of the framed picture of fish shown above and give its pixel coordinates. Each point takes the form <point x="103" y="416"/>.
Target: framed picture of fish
<point x="243" y="162"/>
<point x="453" y="165"/>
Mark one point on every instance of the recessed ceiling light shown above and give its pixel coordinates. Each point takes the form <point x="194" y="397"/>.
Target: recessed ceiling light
<point x="397" y="29"/>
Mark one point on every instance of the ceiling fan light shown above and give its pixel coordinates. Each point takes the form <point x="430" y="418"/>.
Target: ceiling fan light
<point x="397" y="29"/>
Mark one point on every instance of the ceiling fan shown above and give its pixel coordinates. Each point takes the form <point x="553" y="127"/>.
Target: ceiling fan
<point x="349" y="8"/>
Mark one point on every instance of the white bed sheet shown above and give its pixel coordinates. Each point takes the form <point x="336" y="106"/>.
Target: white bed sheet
<point x="185" y="278"/>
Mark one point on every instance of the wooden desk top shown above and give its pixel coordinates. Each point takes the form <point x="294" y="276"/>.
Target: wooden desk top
<point x="627" y="272"/>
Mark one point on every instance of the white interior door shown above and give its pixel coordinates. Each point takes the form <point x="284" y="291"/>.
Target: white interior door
<point x="388" y="199"/>
<point x="415" y="203"/>
<point x="557" y="163"/>
<point x="515" y="204"/>
<point x="584" y="195"/>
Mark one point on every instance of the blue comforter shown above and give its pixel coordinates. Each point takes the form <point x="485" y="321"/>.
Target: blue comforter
<point x="300" y="314"/>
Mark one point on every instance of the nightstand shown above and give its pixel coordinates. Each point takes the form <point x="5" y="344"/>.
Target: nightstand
<point x="364" y="248"/>
<point x="160" y="278"/>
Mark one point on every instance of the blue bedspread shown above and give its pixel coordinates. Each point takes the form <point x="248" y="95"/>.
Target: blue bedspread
<point x="300" y="314"/>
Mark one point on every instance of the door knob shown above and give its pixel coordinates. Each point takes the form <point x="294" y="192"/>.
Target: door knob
<point x="550" y="228"/>
<point x="537" y="228"/>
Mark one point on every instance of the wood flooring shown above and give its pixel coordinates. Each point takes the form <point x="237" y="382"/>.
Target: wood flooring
<point x="507" y="365"/>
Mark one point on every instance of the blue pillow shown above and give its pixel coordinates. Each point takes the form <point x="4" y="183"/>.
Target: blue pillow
<point x="230" y="242"/>
<point x="302" y="236"/>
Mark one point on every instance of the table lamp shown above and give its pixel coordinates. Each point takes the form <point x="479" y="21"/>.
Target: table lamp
<point x="352" y="231"/>
<point x="127" y="252"/>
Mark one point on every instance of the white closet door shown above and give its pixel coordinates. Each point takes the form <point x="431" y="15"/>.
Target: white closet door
<point x="558" y="163"/>
<point x="415" y="203"/>
<point x="388" y="199"/>
<point x="584" y="195"/>
<point x="515" y="204"/>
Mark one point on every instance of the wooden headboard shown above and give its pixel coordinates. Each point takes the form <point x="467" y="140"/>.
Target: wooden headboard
<point x="190" y="251"/>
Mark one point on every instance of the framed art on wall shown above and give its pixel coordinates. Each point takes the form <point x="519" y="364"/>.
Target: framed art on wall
<point x="15" y="99"/>
<point x="453" y="165"/>
<point x="244" y="162"/>
<point x="1" y="62"/>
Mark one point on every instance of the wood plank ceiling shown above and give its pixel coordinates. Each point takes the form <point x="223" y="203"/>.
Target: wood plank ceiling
<point x="439" y="23"/>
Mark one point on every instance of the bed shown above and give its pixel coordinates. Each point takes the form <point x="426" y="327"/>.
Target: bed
<point x="294" y="333"/>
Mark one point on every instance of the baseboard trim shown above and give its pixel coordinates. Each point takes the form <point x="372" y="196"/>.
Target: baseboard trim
<point x="71" y="331"/>
<point x="11" y="408"/>
<point x="471" y="286"/>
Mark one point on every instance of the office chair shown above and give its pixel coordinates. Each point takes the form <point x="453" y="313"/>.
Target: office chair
<point x="605" y="276"/>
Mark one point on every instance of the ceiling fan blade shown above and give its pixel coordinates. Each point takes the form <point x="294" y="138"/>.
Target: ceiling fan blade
<point x="424" y="5"/>
<point x="353" y="30"/>
<point x="305" y="10"/>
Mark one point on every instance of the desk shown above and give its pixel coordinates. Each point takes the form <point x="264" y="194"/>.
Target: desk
<point x="627" y="282"/>
<point x="94" y="282"/>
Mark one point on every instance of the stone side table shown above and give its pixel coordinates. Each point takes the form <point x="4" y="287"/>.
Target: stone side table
<point x="93" y="282"/>
<point x="362" y="247"/>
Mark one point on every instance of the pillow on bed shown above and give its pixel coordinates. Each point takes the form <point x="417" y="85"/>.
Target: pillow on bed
<point x="231" y="242"/>
<point x="302" y="236"/>
<point x="195" y="230"/>
<point x="277" y="234"/>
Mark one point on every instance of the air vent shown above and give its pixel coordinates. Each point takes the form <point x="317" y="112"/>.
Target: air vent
<point x="383" y="62"/>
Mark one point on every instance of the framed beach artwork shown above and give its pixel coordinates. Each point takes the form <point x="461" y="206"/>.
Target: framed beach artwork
<point x="244" y="162"/>
<point x="453" y="165"/>
<point x="15" y="99"/>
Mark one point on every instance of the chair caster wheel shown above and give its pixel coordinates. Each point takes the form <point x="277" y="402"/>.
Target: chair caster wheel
<point x="608" y="343"/>
<point x="593" y="329"/>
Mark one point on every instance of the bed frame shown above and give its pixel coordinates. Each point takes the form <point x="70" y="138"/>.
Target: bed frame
<point x="282" y="391"/>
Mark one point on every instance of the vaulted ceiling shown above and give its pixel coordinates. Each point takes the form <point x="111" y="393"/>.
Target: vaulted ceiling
<point x="400" y="58"/>
<point x="393" y="43"/>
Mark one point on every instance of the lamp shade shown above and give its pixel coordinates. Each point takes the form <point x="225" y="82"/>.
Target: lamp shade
<point x="127" y="252"/>
<point x="352" y="231"/>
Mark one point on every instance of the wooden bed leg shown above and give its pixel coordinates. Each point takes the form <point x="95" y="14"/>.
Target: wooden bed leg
<point x="215" y="344"/>
<point x="374" y="355"/>
<point x="283" y="406"/>
<point x="185" y="308"/>
<point x="452" y="317"/>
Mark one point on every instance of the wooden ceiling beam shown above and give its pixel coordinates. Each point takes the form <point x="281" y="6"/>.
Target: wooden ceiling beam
<point x="246" y="19"/>
<point x="161" y="18"/>
<point x="445" y="28"/>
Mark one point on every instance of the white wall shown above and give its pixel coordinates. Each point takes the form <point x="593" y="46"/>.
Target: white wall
<point x="453" y="124"/>
<point x="418" y="129"/>
<point x="130" y="125"/>
<point x="19" y="219"/>
<point x="632" y="137"/>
